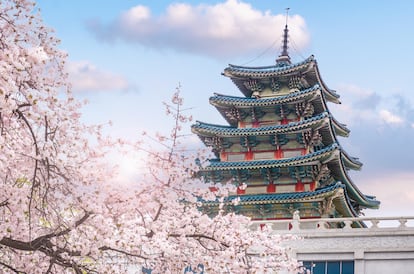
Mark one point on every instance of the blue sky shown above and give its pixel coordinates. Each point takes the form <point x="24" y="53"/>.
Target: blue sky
<point x="126" y="57"/>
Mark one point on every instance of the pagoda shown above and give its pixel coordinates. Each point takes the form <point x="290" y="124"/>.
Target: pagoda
<point x="281" y="145"/>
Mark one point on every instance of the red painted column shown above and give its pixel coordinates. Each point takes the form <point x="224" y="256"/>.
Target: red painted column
<point x="213" y="189"/>
<point x="312" y="186"/>
<point x="271" y="188"/>
<point x="240" y="191"/>
<point x="249" y="155"/>
<point x="278" y="154"/>
<point x="299" y="187"/>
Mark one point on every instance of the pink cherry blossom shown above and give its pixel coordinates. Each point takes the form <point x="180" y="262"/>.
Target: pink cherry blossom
<point x="61" y="209"/>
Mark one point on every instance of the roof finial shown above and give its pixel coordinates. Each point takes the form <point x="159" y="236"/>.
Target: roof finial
<point x="287" y="14"/>
<point x="284" y="56"/>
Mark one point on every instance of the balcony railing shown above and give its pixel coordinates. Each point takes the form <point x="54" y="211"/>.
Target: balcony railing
<point x="371" y="224"/>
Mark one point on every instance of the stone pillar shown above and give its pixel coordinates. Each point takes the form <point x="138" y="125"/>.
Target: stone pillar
<point x="359" y="262"/>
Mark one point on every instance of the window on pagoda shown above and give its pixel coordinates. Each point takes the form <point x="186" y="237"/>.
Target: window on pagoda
<point x="248" y="125"/>
<point x="256" y="190"/>
<point x="235" y="153"/>
<point x="235" y="157"/>
<point x="263" y="155"/>
<point x="263" y="151"/>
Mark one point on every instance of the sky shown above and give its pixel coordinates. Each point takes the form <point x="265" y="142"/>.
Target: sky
<point x="126" y="57"/>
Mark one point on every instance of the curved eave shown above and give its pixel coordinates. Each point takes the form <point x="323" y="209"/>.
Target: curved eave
<point x="308" y="159"/>
<point x="350" y="162"/>
<point x="205" y="129"/>
<point x="339" y="128"/>
<point x="331" y="95"/>
<point x="328" y="131"/>
<point x="343" y="205"/>
<point x="346" y="161"/>
<point x="341" y="174"/>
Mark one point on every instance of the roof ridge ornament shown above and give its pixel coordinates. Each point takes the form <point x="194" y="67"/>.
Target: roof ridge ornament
<point x="284" y="58"/>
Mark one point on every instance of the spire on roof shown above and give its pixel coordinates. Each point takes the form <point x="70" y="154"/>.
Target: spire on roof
<point x="284" y="58"/>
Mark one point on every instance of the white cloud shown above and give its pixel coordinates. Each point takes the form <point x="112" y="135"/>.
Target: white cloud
<point x="224" y="29"/>
<point x="394" y="191"/>
<point x="355" y="91"/>
<point x="85" y="76"/>
<point x="138" y="14"/>
<point x="390" y="118"/>
<point x="360" y="106"/>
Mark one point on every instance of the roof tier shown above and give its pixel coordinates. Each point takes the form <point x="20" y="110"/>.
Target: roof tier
<point x="307" y="71"/>
<point x="335" y="192"/>
<point x="322" y="122"/>
<point x="337" y="161"/>
<point x="320" y="156"/>
<point x="227" y="104"/>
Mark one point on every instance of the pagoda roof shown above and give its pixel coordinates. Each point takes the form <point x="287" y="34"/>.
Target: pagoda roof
<point x="322" y="155"/>
<point x="206" y="129"/>
<point x="337" y="160"/>
<point x="220" y="100"/>
<point x="225" y="103"/>
<point x="268" y="71"/>
<point x="264" y="198"/>
<point x="308" y="67"/>
<point x="336" y="191"/>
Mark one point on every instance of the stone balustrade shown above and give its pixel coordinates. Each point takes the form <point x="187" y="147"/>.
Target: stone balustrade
<point x="367" y="224"/>
<point x="375" y="245"/>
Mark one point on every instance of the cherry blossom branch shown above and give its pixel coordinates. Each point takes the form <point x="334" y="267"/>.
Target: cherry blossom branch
<point x="43" y="240"/>
<point x="44" y="244"/>
<point x="157" y="215"/>
<point x="201" y="236"/>
<point x="29" y="127"/>
<point x="12" y="268"/>
<point x="4" y="203"/>
<point x="106" y="248"/>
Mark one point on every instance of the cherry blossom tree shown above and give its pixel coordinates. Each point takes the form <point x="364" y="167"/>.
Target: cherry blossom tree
<point x="60" y="211"/>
